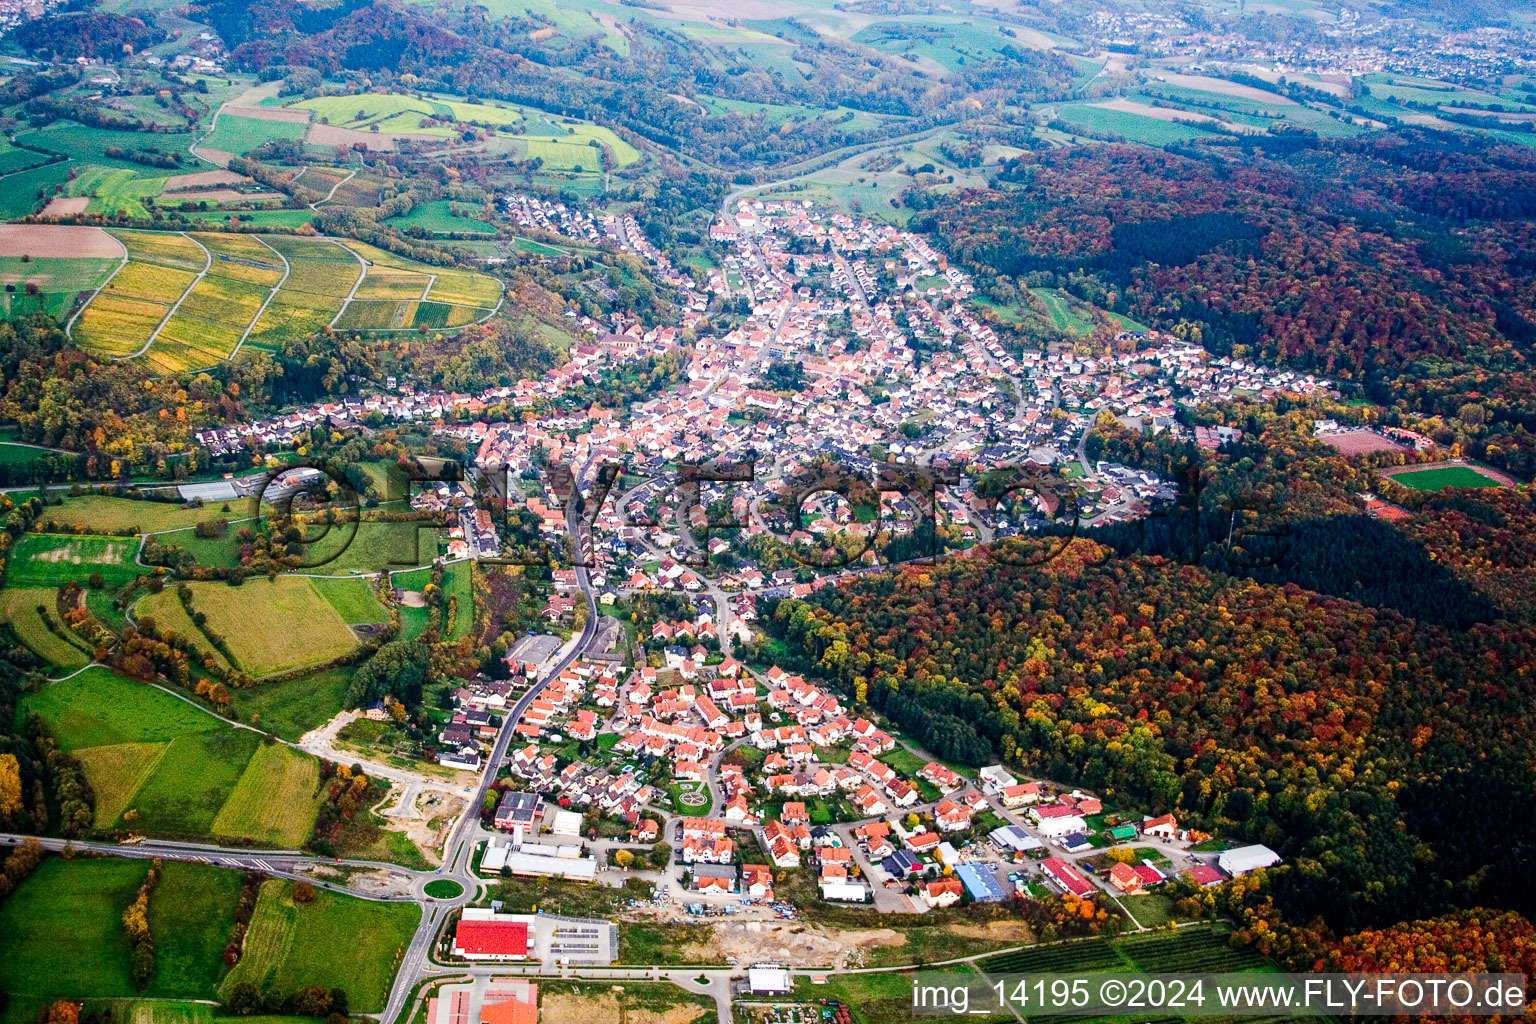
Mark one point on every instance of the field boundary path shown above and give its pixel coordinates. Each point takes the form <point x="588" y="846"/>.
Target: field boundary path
<point x="332" y="193"/>
<point x="207" y="266"/>
<point x="70" y="323"/>
<point x="355" y="284"/>
<point x="287" y="269"/>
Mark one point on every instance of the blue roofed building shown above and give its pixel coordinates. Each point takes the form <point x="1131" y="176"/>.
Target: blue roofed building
<point x="981" y="882"/>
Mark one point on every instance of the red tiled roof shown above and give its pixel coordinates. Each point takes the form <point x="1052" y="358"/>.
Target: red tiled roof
<point x="492" y="938"/>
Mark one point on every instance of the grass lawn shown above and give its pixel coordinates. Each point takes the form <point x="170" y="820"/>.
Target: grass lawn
<point x="353" y="600"/>
<point x="183" y="771"/>
<point x="191" y="782"/>
<point x="99" y="512"/>
<point x="1150" y="911"/>
<point x="443" y="888"/>
<point x="438" y="216"/>
<point x="63" y="930"/>
<point x="97" y="708"/>
<point x="212" y="552"/>
<point x="274" y="625"/>
<point x="458" y="582"/>
<point x="51" y="560"/>
<point x="292" y="708"/>
<point x="1446" y="476"/>
<point x="336" y="941"/>
<point x="18" y="454"/>
<point x="191" y="915"/>
<point x="374" y="547"/>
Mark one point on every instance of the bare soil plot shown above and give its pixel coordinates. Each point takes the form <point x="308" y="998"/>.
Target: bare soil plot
<point x="203" y="179"/>
<point x="63" y="206"/>
<point x="379" y="142"/>
<point x="1220" y="85"/>
<point x="57" y="240"/>
<point x="1358" y="442"/>
<point x="288" y="115"/>
<point x="226" y="195"/>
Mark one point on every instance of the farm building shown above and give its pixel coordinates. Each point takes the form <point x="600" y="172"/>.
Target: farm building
<point x="1247" y="858"/>
<point x="1057" y="820"/>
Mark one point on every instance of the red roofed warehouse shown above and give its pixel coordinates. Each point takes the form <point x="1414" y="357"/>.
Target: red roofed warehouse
<point x="485" y="935"/>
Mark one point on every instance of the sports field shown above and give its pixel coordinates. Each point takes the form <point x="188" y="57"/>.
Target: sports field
<point x="176" y="769"/>
<point x="1444" y="476"/>
<point x="335" y="941"/>
<point x="273" y="625"/>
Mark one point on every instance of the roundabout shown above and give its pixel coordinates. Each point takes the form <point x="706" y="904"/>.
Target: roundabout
<point x="443" y="889"/>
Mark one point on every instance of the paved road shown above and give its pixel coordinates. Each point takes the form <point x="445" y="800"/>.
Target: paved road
<point x="416" y="964"/>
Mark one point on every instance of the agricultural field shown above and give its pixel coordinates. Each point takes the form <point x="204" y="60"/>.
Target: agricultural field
<point x="335" y="941"/>
<point x="115" y="191"/>
<point x="292" y="708"/>
<point x="18" y="609"/>
<point x="196" y="903"/>
<point x="240" y="135"/>
<point x="64" y="932"/>
<point x="167" y="612"/>
<point x="64" y="939"/>
<point x="273" y="625"/>
<point x="51" y="560"/>
<point x="262" y="807"/>
<point x="88" y="146"/>
<point x="1193" y="950"/>
<point x="404" y="114"/>
<point x="159" y="764"/>
<point x="58" y="279"/>
<point x="449" y="285"/>
<point x="156" y="306"/>
<point x="131" y="307"/>
<point x="353" y="599"/>
<point x="1133" y="127"/>
<point x="373" y="547"/>
<point x="101" y="512"/>
<point x="438" y="217"/>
